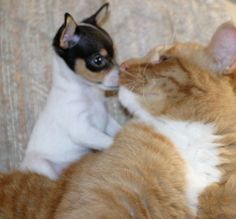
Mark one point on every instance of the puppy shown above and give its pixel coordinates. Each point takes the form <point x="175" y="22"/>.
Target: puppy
<point x="75" y="119"/>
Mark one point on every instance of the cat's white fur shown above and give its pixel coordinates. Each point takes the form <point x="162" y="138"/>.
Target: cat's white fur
<point x="74" y="121"/>
<point x="195" y="142"/>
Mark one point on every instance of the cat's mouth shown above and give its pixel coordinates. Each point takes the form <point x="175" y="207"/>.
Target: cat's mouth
<point x="132" y="81"/>
<point x="126" y="78"/>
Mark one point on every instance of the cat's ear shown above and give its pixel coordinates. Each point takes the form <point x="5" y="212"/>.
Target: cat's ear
<point x="222" y="48"/>
<point x="68" y="37"/>
<point x="98" y="16"/>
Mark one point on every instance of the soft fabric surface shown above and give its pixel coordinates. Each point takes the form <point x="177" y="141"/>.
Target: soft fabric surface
<point x="27" y="28"/>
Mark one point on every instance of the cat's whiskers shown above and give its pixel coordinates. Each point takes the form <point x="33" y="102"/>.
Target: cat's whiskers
<point x="128" y="73"/>
<point x="144" y="97"/>
<point x="132" y="88"/>
<point x="145" y="68"/>
<point x="133" y="85"/>
<point x="171" y="40"/>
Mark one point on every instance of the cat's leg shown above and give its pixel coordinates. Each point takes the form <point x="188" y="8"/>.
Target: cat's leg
<point x="112" y="127"/>
<point x="38" y="164"/>
<point x="219" y="200"/>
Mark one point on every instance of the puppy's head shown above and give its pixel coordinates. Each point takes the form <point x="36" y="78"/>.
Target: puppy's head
<point x="88" y="49"/>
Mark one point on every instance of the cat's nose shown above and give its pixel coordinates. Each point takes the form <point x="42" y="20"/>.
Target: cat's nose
<point x="124" y="66"/>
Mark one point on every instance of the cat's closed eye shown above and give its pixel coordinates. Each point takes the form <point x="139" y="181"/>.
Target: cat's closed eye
<point x="164" y="58"/>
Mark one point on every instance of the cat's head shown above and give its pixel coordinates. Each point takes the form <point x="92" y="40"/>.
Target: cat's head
<point x="183" y="81"/>
<point x="88" y="49"/>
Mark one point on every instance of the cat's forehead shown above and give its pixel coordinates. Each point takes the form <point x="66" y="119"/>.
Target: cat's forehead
<point x="188" y="57"/>
<point x="178" y="50"/>
<point x="190" y="54"/>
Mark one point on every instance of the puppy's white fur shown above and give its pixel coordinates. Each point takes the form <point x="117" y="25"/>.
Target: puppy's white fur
<point x="74" y="121"/>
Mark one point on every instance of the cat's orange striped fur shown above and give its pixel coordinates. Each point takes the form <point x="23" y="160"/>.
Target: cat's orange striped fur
<point x="27" y="196"/>
<point x="145" y="174"/>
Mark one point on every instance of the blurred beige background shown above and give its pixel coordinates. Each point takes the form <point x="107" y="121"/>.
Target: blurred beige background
<point x="26" y="31"/>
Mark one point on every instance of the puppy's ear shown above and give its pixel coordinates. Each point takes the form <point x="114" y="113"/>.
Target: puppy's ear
<point x="68" y="38"/>
<point x="98" y="16"/>
<point x="222" y="48"/>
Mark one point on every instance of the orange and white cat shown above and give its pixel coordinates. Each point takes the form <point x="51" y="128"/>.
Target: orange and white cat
<point x="175" y="159"/>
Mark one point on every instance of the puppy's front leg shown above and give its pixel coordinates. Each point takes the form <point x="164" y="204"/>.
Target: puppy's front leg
<point x="112" y="127"/>
<point x="97" y="139"/>
<point x="91" y="137"/>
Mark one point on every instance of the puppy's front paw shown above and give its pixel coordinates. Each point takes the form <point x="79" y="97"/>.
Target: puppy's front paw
<point x="107" y="144"/>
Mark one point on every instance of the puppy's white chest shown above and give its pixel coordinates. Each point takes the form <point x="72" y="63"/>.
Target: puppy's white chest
<point x="98" y="115"/>
<point x="97" y="108"/>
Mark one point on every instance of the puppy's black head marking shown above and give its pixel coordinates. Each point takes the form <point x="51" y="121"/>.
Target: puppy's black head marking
<point x="85" y="41"/>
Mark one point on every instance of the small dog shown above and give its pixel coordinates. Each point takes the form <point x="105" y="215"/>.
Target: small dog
<point x="75" y="119"/>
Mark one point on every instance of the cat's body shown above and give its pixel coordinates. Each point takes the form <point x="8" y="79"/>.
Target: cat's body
<point x="34" y="196"/>
<point x="175" y="159"/>
<point x="75" y="119"/>
<point x="111" y="186"/>
<point x="145" y="183"/>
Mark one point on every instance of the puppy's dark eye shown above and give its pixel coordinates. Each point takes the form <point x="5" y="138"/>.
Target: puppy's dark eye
<point x="98" y="61"/>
